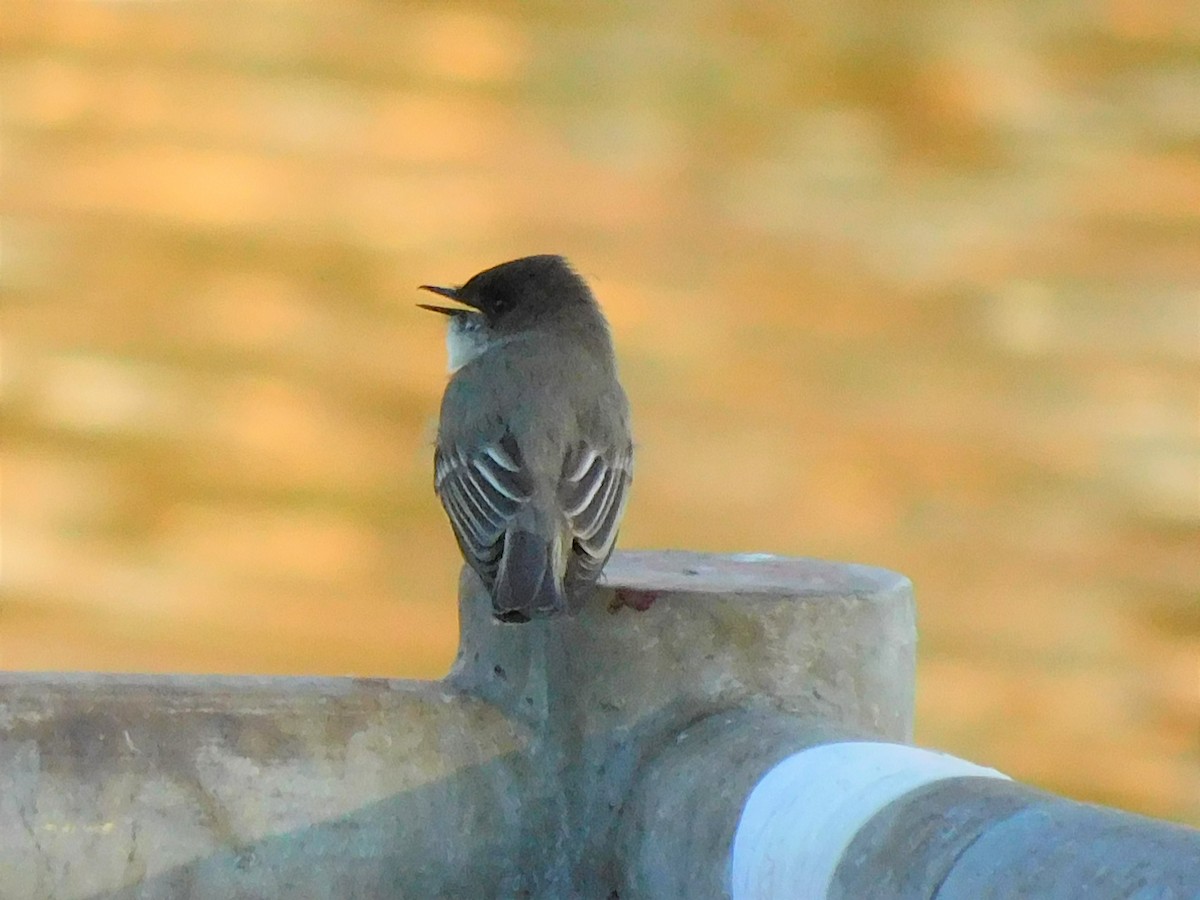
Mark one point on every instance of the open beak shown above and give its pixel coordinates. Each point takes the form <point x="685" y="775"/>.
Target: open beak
<point x="444" y="310"/>
<point x="450" y="292"/>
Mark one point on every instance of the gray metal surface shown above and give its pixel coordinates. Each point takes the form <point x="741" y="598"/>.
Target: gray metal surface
<point x="984" y="839"/>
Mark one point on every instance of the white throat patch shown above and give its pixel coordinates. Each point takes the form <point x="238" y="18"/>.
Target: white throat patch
<point x="466" y="338"/>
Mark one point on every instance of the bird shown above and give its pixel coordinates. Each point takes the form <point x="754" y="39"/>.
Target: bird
<point x="534" y="452"/>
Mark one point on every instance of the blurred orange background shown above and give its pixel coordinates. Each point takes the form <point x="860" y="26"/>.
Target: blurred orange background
<point x="909" y="285"/>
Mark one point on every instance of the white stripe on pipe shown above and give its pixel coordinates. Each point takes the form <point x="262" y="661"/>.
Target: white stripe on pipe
<point x="803" y="814"/>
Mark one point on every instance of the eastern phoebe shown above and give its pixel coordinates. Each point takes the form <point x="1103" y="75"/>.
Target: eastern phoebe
<point x="534" y="455"/>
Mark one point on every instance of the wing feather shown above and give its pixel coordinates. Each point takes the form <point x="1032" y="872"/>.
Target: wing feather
<point x="481" y="492"/>
<point x="593" y="493"/>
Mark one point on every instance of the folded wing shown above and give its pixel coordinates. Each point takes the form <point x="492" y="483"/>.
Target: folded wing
<point x="481" y="491"/>
<point x="593" y="492"/>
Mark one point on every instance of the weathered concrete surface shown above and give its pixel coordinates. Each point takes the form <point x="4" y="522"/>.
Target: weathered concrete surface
<point x="511" y="779"/>
<point x="824" y="649"/>
<point x="816" y="638"/>
<point x="678" y="828"/>
<point x="224" y="787"/>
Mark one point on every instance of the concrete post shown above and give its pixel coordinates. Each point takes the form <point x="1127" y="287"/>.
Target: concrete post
<point x="713" y="727"/>
<point x="508" y="779"/>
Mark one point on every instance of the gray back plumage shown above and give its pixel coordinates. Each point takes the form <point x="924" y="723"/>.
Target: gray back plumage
<point x="534" y="455"/>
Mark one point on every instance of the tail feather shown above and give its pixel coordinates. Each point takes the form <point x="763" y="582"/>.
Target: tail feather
<point x="527" y="584"/>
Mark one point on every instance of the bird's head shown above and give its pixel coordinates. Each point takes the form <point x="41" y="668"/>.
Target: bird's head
<point x="516" y="295"/>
